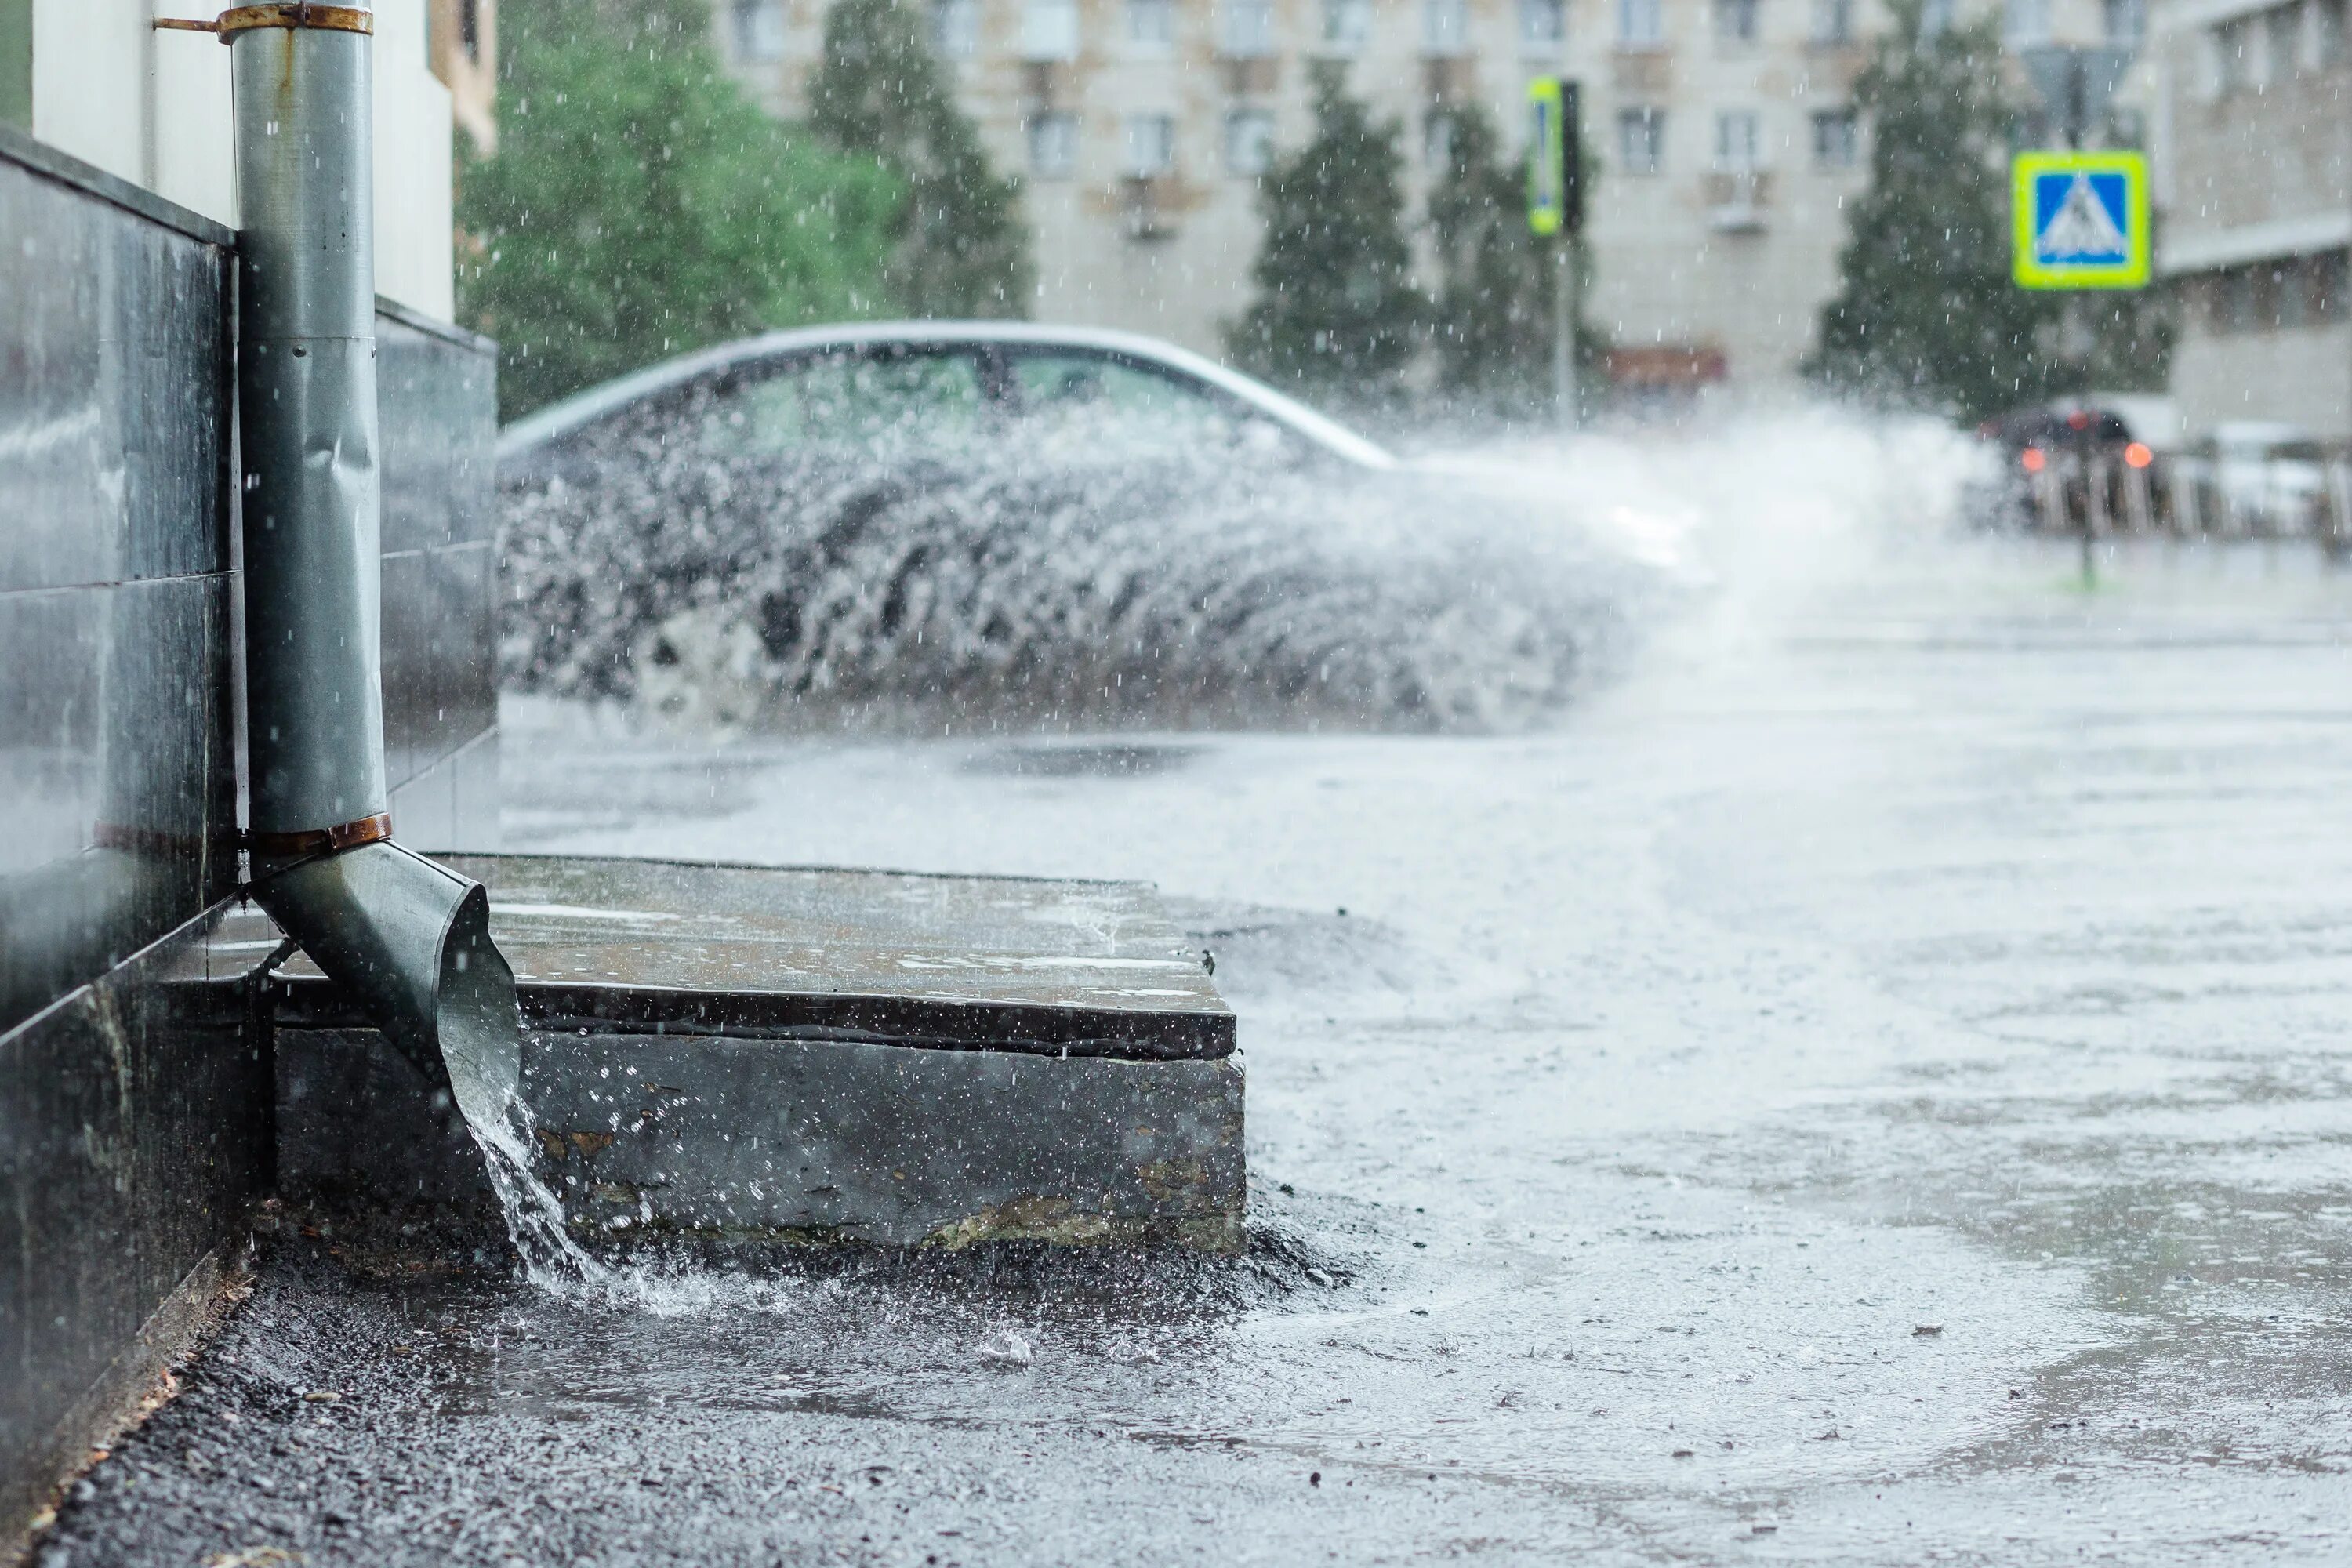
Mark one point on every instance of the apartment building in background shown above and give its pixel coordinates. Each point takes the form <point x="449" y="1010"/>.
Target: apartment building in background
<point x="1724" y="132"/>
<point x="2255" y="177"/>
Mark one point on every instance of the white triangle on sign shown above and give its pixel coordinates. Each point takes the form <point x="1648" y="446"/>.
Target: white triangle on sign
<point x="2081" y="230"/>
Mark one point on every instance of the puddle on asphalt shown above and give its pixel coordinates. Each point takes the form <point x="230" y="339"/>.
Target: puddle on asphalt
<point x="1111" y="759"/>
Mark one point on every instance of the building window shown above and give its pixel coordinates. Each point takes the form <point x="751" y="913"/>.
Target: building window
<point x="1833" y="22"/>
<point x="2328" y="273"/>
<point x="1642" y="141"/>
<point x="955" y="28"/>
<point x="1543" y="25"/>
<point x="1245" y="29"/>
<point x="2324" y="33"/>
<point x="1835" y="138"/>
<point x="1151" y="145"/>
<point x="1052" y="145"/>
<point x="1445" y="27"/>
<point x="2283" y="25"/>
<point x="758" y="29"/>
<point x="1346" y="24"/>
<point x="2125" y="21"/>
<point x="1738" y="148"/>
<point x="1735" y="22"/>
<point x="1049" y="30"/>
<point x="1151" y="24"/>
<point x="2024" y="23"/>
<point x="1640" y="24"/>
<point x="1437" y="143"/>
<point x="1249" y="141"/>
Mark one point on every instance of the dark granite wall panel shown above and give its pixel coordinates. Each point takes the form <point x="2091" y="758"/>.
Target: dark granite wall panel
<point x="437" y="397"/>
<point x="114" y="357"/>
<point x="136" y="1127"/>
<point x="116" y="756"/>
<point x="117" y="740"/>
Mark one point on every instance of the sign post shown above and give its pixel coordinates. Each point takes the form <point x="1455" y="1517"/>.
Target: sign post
<point x="1556" y="213"/>
<point x="2080" y="220"/>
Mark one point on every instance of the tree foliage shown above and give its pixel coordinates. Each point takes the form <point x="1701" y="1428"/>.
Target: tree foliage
<point x="960" y="247"/>
<point x="640" y="205"/>
<point x="1926" y="313"/>
<point x="1337" y="308"/>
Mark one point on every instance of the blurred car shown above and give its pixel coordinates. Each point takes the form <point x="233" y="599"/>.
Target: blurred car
<point x="2051" y="454"/>
<point x="886" y="391"/>
<point x="950" y="518"/>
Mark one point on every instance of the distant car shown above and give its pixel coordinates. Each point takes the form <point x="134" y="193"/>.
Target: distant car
<point x="929" y="391"/>
<point x="2051" y="454"/>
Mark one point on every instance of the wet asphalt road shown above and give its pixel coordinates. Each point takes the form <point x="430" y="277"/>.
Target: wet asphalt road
<point x="1871" y="1088"/>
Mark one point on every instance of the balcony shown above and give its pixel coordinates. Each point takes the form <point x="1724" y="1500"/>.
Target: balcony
<point x="1738" y="199"/>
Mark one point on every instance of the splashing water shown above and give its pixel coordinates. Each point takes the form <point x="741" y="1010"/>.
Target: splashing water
<point x="1015" y="588"/>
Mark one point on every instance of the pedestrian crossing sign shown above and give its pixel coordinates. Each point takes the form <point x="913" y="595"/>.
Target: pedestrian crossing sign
<point x="2080" y="220"/>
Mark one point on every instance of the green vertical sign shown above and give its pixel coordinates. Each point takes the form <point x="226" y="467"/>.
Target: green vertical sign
<point x="1547" y="160"/>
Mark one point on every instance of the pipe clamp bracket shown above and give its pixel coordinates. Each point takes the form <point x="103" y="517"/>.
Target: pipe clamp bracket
<point x="321" y="840"/>
<point x="246" y="18"/>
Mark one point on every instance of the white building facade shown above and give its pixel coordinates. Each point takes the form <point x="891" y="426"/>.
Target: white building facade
<point x="1724" y="132"/>
<point x="2254" y="181"/>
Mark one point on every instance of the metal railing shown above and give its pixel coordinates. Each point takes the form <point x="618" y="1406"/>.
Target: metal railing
<point x="2099" y="496"/>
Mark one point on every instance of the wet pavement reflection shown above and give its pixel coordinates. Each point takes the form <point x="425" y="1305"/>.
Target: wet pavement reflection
<point x="1868" y="1088"/>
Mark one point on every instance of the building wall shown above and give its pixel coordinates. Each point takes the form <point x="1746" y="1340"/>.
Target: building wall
<point x="2256" y="231"/>
<point x="154" y="109"/>
<point x="1696" y="263"/>
<point x="135" y="1079"/>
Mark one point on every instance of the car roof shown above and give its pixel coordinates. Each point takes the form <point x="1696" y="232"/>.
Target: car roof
<point x="560" y="419"/>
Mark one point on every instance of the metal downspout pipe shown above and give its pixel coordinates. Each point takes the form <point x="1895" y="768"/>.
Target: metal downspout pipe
<point x="408" y="938"/>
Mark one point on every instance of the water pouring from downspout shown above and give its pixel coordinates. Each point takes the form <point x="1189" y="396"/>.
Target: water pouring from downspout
<point x="408" y="938"/>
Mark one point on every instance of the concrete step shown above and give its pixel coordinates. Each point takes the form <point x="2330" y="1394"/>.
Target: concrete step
<point x="749" y="1053"/>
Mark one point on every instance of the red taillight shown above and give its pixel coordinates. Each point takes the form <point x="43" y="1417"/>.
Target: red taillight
<point x="2033" y="459"/>
<point x="2138" y="455"/>
<point x="2078" y="420"/>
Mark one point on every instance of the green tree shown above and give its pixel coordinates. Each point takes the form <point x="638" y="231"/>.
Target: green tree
<point x="961" y="244"/>
<point x="1926" y="313"/>
<point x="1492" y="320"/>
<point x="640" y="205"/>
<point x="1337" y="307"/>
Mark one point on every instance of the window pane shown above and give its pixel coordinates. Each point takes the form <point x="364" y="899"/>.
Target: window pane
<point x="1151" y="22"/>
<point x="1151" y="145"/>
<point x="1049" y="30"/>
<point x="1249" y="141"/>
<point x="1053" y="145"/>
<point x="1542" y="25"/>
<point x="1640" y="23"/>
<point x="1641" y="141"/>
<point x="955" y="28"/>
<point x="1246" y="28"/>
<point x="1346" y="24"/>
<point x="758" y="29"/>
<point x="1445" y="26"/>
